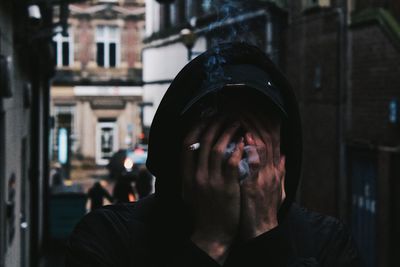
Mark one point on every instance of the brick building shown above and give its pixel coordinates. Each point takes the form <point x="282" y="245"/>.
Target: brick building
<point x="97" y="89"/>
<point x="343" y="59"/>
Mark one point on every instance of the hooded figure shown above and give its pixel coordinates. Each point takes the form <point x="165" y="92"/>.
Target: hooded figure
<point x="228" y="120"/>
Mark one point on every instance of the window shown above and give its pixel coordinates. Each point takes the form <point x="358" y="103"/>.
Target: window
<point x="189" y="12"/>
<point x="173" y="14"/>
<point x="108" y="46"/>
<point x="64" y="49"/>
<point x="107" y="1"/>
<point x="180" y="6"/>
<point x="315" y="3"/>
<point x="106" y="140"/>
<point x="206" y="6"/>
<point x="165" y="17"/>
<point x="65" y="118"/>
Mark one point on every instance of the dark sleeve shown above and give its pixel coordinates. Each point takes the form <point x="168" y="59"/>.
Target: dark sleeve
<point x="89" y="193"/>
<point x="193" y="256"/>
<point x="269" y="249"/>
<point x="98" y="240"/>
<point x="340" y="250"/>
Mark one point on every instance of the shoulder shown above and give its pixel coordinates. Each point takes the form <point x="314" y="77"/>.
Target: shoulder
<point x="321" y="224"/>
<point x="107" y="234"/>
<point x="117" y="217"/>
<point x="324" y="237"/>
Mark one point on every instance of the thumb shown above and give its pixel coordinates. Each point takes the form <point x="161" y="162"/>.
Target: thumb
<point x="282" y="171"/>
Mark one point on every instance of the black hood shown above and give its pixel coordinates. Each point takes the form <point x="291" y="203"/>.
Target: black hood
<point x="189" y="85"/>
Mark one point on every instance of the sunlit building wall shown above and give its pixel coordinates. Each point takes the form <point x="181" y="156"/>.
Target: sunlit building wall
<point x="97" y="88"/>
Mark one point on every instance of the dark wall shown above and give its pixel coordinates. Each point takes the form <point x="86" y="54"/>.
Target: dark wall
<point x="312" y="67"/>
<point x="375" y="82"/>
<point x="392" y="5"/>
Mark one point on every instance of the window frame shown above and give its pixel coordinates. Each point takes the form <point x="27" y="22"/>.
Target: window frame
<point x="59" y="40"/>
<point x="71" y="110"/>
<point x="306" y="4"/>
<point x="107" y="38"/>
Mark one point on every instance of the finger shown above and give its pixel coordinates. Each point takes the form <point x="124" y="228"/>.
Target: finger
<point x="219" y="149"/>
<point x="283" y="190"/>
<point x="263" y="141"/>
<point x="256" y="151"/>
<point x="207" y="141"/>
<point x="232" y="167"/>
<point x="252" y="153"/>
<point x="188" y="158"/>
<point x="261" y="147"/>
<point x="282" y="171"/>
<point x="193" y="136"/>
<point x="272" y="134"/>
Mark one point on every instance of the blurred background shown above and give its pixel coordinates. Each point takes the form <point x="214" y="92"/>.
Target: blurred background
<point x="80" y="82"/>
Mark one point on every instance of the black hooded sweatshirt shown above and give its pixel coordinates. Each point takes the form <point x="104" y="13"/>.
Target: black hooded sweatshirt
<point x="155" y="231"/>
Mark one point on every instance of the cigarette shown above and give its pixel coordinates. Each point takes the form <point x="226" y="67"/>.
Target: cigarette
<point x="194" y="146"/>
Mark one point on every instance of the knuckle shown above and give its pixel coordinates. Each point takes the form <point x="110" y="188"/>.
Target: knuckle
<point x="218" y="151"/>
<point x="233" y="162"/>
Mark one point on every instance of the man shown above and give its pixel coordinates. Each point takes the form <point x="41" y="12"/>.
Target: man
<point x="225" y="148"/>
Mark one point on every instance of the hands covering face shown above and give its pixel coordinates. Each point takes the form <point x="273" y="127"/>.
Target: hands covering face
<point x="222" y="207"/>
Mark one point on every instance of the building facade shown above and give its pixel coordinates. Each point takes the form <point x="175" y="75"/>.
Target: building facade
<point x="25" y="71"/>
<point x="97" y="89"/>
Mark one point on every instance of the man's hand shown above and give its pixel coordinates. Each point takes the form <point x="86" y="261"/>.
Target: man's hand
<point x="211" y="186"/>
<point x="263" y="192"/>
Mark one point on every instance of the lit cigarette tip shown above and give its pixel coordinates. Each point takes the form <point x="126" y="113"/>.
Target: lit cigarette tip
<point x="194" y="146"/>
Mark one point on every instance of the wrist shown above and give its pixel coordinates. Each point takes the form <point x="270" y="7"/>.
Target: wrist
<point x="265" y="227"/>
<point x="215" y="248"/>
<point x="258" y="229"/>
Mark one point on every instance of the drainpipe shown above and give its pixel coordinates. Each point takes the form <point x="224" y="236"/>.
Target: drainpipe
<point x="342" y="110"/>
<point x="268" y="34"/>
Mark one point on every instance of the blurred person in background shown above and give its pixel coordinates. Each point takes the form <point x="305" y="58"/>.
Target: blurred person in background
<point x="225" y="147"/>
<point x="97" y="194"/>
<point x="124" y="191"/>
<point x="56" y="175"/>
